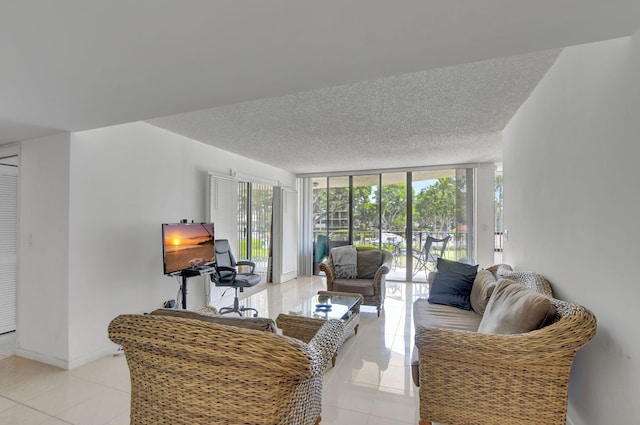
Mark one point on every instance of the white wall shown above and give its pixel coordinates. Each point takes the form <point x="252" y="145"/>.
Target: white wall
<point x="120" y="183"/>
<point x="571" y="159"/>
<point x="43" y="250"/>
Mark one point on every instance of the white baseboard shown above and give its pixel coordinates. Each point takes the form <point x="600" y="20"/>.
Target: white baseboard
<point x="42" y="358"/>
<point x="62" y="363"/>
<point x="285" y="277"/>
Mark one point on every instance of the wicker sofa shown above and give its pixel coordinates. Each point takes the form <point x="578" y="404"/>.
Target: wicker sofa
<point x="469" y="377"/>
<point x="373" y="265"/>
<point x="193" y="370"/>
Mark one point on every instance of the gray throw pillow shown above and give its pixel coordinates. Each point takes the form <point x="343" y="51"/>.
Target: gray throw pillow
<point x="369" y="262"/>
<point x="515" y="309"/>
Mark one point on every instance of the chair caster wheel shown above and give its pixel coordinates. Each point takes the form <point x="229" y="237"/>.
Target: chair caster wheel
<point x="255" y="315"/>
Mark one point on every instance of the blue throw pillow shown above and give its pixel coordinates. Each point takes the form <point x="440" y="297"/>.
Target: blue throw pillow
<point x="453" y="283"/>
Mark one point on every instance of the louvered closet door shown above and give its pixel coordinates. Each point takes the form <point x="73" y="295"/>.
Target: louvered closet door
<point x="8" y="257"/>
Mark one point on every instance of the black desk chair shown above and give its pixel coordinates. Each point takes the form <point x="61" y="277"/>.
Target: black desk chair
<point x="227" y="274"/>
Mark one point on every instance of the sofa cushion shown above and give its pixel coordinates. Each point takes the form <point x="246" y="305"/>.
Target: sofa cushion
<point x="514" y="309"/>
<point x="369" y="262"/>
<point x="442" y="316"/>
<point x="257" y="323"/>
<point x="483" y="286"/>
<point x="359" y="286"/>
<point x="452" y="284"/>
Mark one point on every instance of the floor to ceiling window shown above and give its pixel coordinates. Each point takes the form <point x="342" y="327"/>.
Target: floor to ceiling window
<point x="338" y="210"/>
<point x="394" y="207"/>
<point x="378" y="210"/>
<point x="365" y="226"/>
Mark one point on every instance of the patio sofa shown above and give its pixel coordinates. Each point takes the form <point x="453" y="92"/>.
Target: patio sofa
<point x="506" y="360"/>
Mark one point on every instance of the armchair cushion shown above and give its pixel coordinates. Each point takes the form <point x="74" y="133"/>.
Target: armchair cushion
<point x="515" y="309"/>
<point x="358" y="286"/>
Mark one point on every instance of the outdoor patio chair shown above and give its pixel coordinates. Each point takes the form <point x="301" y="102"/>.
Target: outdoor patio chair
<point x="432" y="250"/>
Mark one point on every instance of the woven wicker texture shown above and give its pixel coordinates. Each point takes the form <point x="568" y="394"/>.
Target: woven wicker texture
<point x="378" y="282"/>
<point x="531" y="280"/>
<point x="190" y="372"/>
<point x="472" y="378"/>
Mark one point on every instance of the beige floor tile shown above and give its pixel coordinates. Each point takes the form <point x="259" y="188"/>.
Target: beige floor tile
<point x="376" y="420"/>
<point x="358" y="399"/>
<point x="65" y="396"/>
<point x="54" y="421"/>
<point x="15" y="371"/>
<point x="121" y="419"/>
<point x="370" y="384"/>
<point x="22" y="415"/>
<point x="99" y="409"/>
<point x="111" y="371"/>
<point x="35" y="385"/>
<point x="395" y="406"/>
<point x="336" y="416"/>
<point x="5" y="403"/>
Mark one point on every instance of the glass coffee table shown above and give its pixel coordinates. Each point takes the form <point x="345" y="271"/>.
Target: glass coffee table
<point x="303" y="322"/>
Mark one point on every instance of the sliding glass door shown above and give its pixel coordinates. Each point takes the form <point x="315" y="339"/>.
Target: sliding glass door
<point x="396" y="212"/>
<point x="440" y="211"/>
<point x="394" y="204"/>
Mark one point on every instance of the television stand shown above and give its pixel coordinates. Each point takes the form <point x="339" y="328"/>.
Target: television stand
<point x="186" y="274"/>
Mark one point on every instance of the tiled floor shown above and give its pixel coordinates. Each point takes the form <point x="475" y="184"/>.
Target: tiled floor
<point x="370" y="385"/>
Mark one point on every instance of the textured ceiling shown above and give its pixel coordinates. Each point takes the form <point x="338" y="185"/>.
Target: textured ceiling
<point x="441" y="116"/>
<point x="328" y="81"/>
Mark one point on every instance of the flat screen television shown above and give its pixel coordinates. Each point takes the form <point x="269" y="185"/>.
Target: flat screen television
<point x="187" y="245"/>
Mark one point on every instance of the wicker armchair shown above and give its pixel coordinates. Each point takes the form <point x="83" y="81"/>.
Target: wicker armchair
<point x="473" y="378"/>
<point x="190" y="372"/>
<point x="371" y="288"/>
